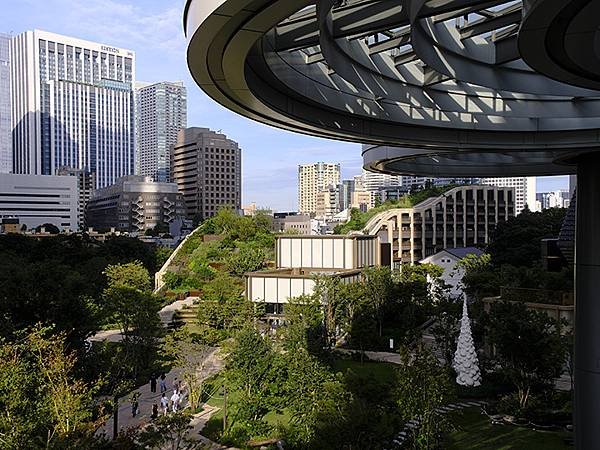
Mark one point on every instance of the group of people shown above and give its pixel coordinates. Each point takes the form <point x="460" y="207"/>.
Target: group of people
<point x="172" y="403"/>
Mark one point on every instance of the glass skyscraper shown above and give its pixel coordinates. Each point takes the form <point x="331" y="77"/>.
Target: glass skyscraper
<point x="73" y="106"/>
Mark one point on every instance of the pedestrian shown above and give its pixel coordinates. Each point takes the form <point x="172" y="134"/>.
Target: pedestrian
<point x="153" y="383"/>
<point x="175" y="385"/>
<point x="154" y="411"/>
<point x="163" y="383"/>
<point x="164" y="404"/>
<point x="175" y="401"/>
<point x="134" y="404"/>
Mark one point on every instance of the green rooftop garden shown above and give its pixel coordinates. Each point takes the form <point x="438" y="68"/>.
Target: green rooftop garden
<point x="359" y="219"/>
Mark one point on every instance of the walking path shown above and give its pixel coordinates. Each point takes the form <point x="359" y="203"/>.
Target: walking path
<point x="214" y="364"/>
<point x="166" y="317"/>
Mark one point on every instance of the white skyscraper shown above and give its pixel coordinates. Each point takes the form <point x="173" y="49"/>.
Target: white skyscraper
<point x="161" y="111"/>
<point x="374" y="181"/>
<point x="72" y="105"/>
<point x="313" y="178"/>
<point x="525" y="190"/>
<point x="5" y="122"/>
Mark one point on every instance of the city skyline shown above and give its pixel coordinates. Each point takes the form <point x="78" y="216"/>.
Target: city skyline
<point x="153" y="29"/>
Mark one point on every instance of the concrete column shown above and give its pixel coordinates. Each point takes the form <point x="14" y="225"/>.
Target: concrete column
<point x="587" y="313"/>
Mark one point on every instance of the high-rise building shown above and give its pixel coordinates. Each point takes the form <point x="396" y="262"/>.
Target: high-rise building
<point x="5" y="122"/>
<point x="346" y="189"/>
<point x="36" y="200"/>
<point x="207" y="168"/>
<point x="312" y="179"/>
<point x="161" y="111"/>
<point x="525" y="190"/>
<point x="134" y="203"/>
<point x="72" y="105"/>
<point x="374" y="181"/>
<point x="85" y="181"/>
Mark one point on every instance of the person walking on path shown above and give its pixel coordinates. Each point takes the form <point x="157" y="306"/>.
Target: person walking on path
<point x="176" y="385"/>
<point x="153" y="383"/>
<point x="135" y="404"/>
<point x="164" y="404"/>
<point x="175" y="401"/>
<point x="154" y="411"/>
<point x="163" y="383"/>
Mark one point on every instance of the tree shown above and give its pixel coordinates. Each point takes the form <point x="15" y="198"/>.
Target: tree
<point x="168" y="432"/>
<point x="378" y="292"/>
<point x="466" y="362"/>
<point x="248" y="257"/>
<point x="304" y="324"/>
<point x="517" y="241"/>
<point x="133" y="275"/>
<point x="42" y="402"/>
<point x="48" y="227"/>
<point x="528" y="347"/>
<point x="422" y="387"/>
<point x="192" y="357"/>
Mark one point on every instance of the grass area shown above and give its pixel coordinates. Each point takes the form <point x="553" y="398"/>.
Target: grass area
<point x="476" y="432"/>
<point x="379" y="371"/>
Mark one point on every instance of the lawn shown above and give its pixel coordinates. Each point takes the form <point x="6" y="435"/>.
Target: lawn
<point x="380" y="371"/>
<point x="475" y="432"/>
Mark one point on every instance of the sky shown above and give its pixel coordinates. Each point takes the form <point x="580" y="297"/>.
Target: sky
<point x="154" y="30"/>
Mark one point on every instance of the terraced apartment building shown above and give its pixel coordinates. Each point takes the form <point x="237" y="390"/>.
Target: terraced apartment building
<point x="461" y="217"/>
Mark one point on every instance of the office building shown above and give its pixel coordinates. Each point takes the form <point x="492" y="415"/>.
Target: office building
<point x="207" y="167"/>
<point x="161" y="111"/>
<point x="72" y="105"/>
<point x="312" y="179"/>
<point x="525" y="190"/>
<point x="461" y="217"/>
<point x="374" y="181"/>
<point x="134" y="203"/>
<point x="36" y="200"/>
<point x="85" y="184"/>
<point x="5" y="115"/>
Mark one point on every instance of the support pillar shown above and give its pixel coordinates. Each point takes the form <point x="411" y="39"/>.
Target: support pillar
<point x="587" y="301"/>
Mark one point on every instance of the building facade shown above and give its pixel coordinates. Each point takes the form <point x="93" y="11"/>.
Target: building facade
<point x="36" y="200"/>
<point x="207" y="168"/>
<point x="328" y="202"/>
<point x="72" y="105"/>
<point x="312" y="179"/>
<point x="161" y="111"/>
<point x="135" y="204"/>
<point x="461" y="217"/>
<point x="374" y="181"/>
<point x="292" y="223"/>
<point x="86" y="187"/>
<point x="300" y="258"/>
<point x="553" y="199"/>
<point x="5" y="114"/>
<point x="525" y="190"/>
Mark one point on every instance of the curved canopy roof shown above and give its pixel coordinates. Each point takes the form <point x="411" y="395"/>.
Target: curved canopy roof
<point x="432" y="87"/>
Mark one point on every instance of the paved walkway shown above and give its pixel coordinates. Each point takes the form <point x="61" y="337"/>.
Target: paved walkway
<point x="166" y="317"/>
<point x="213" y="365"/>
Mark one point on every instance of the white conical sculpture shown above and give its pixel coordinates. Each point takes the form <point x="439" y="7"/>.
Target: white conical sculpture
<point x="466" y="362"/>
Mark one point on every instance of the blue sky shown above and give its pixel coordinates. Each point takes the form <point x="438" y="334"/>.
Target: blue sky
<point x="153" y="29"/>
